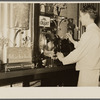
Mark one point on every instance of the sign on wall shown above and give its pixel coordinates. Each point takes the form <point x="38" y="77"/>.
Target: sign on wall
<point x="44" y="21"/>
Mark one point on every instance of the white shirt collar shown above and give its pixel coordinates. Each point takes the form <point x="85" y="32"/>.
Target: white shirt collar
<point x="90" y="26"/>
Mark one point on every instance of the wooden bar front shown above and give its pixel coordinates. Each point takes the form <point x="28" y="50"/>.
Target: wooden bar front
<point x="62" y="76"/>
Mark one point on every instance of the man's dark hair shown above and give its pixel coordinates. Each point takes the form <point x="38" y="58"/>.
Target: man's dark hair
<point x="91" y="10"/>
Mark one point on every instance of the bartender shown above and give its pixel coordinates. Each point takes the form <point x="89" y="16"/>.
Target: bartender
<point x="86" y="54"/>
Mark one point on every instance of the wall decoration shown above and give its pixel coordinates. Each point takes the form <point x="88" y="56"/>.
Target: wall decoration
<point x="44" y="21"/>
<point x="58" y="7"/>
<point x="21" y="15"/>
<point x="49" y="8"/>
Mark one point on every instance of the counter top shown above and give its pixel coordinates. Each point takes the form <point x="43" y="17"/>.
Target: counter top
<point x="12" y="74"/>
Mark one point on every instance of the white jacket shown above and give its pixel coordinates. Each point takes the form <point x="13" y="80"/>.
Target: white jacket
<point x="87" y="52"/>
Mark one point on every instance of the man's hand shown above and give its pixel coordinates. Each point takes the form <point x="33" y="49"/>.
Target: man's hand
<point x="60" y="56"/>
<point x="69" y="36"/>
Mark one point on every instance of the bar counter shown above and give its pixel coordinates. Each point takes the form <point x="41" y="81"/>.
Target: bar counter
<point x="29" y="75"/>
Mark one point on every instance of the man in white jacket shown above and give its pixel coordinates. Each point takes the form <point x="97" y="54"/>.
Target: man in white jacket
<point x="87" y="51"/>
